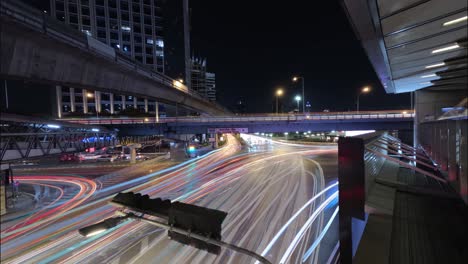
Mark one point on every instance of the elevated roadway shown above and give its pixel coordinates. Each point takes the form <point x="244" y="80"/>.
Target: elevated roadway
<point x="36" y="47"/>
<point x="322" y="121"/>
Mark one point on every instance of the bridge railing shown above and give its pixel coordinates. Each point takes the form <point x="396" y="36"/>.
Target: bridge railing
<point x="39" y="21"/>
<point x="247" y="118"/>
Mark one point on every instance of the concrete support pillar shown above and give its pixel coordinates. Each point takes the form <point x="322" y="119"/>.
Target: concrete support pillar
<point x="97" y="101"/>
<point x="146" y="105"/>
<point x="85" y="101"/>
<point x="111" y="102"/>
<point x="135" y="102"/>
<point x="123" y="102"/>
<point x="58" y="92"/>
<point x="72" y="100"/>
<point x="156" y="108"/>
<point x="132" y="155"/>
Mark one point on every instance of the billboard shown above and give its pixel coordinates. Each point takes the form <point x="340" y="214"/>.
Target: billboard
<point x="228" y="130"/>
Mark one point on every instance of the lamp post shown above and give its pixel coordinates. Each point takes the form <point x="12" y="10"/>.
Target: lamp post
<point x="363" y="91"/>
<point x="279" y="93"/>
<point x="298" y="99"/>
<point x="295" y="79"/>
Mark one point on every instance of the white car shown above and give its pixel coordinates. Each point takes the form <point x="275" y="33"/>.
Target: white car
<point x="107" y="157"/>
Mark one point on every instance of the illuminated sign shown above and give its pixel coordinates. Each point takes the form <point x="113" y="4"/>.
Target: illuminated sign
<point x="228" y="130"/>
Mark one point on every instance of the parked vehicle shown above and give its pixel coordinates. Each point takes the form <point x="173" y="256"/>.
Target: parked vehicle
<point x="141" y="157"/>
<point x="107" y="157"/>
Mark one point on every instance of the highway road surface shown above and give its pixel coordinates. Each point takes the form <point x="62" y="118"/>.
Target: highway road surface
<point x="280" y="199"/>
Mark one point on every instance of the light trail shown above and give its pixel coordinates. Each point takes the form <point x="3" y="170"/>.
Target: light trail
<point x="306" y="226"/>
<point x="285" y="226"/>
<point x="320" y="237"/>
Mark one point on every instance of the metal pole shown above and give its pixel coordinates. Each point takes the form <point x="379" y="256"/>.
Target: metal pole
<point x="277" y="104"/>
<point x="6" y="95"/>
<point x="358" y="102"/>
<point x="188" y="62"/>
<point x="202" y="238"/>
<point x="303" y="97"/>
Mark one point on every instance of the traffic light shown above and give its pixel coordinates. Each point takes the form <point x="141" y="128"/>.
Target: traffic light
<point x="200" y="220"/>
<point x="143" y="204"/>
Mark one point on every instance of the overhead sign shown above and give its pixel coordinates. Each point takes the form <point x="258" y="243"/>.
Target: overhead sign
<point x="228" y="130"/>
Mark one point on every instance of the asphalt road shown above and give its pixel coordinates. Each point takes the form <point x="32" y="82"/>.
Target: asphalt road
<point x="271" y="194"/>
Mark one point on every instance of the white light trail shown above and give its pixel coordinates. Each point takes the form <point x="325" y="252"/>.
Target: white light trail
<point x="306" y="226"/>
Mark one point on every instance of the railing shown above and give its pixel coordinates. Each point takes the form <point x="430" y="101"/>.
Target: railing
<point x="43" y="23"/>
<point x="248" y="118"/>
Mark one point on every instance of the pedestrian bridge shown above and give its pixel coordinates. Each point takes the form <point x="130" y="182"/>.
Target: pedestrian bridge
<point x="251" y="123"/>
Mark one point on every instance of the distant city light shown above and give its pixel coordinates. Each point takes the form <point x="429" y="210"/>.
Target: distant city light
<point x="95" y="130"/>
<point x="455" y="21"/>
<point x="297" y="132"/>
<point x="125" y="28"/>
<point x="435" y="65"/>
<point x="53" y="126"/>
<point x="446" y="49"/>
<point x="286" y="133"/>
<point x="89" y="95"/>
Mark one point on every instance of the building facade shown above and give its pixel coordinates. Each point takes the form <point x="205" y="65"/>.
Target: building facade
<point x="203" y="82"/>
<point x="210" y="85"/>
<point x="132" y="26"/>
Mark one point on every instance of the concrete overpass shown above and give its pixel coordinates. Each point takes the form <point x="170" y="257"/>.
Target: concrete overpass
<point x="38" y="48"/>
<point x="369" y="120"/>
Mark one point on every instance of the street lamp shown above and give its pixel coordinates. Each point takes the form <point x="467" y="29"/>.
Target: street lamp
<point x="100" y="227"/>
<point x="295" y="79"/>
<point x="89" y="95"/>
<point x="363" y="91"/>
<point x="298" y="99"/>
<point x="279" y="93"/>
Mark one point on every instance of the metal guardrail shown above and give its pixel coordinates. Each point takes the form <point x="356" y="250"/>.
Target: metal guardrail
<point x="247" y="118"/>
<point x="45" y="24"/>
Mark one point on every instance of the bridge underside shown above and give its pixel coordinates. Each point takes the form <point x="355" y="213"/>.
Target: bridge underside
<point x="266" y="127"/>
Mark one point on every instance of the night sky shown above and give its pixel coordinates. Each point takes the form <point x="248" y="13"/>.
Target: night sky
<point x="256" y="46"/>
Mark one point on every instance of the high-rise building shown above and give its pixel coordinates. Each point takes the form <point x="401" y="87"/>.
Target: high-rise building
<point x="198" y="75"/>
<point x="132" y="26"/>
<point x="210" y="85"/>
<point x="203" y="82"/>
